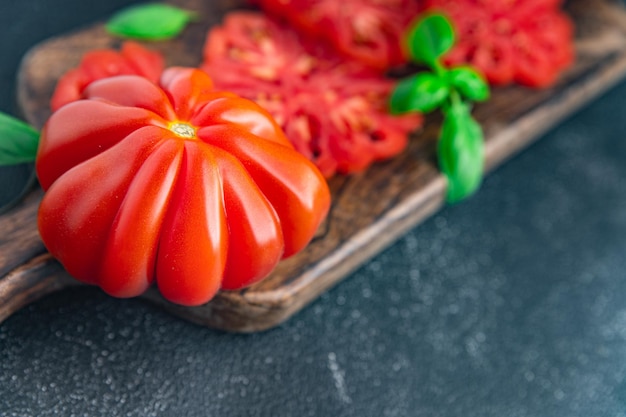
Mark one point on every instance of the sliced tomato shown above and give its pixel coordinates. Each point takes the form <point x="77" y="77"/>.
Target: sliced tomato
<point x="366" y="30"/>
<point x="132" y="59"/>
<point x="525" y="41"/>
<point x="333" y="112"/>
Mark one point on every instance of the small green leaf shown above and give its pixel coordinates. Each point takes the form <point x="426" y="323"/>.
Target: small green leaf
<point x="153" y="21"/>
<point x="422" y="93"/>
<point x="469" y="83"/>
<point x="18" y="141"/>
<point x="430" y="38"/>
<point x="461" y="153"/>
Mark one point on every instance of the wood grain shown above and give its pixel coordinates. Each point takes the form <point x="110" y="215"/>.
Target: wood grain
<point x="369" y="210"/>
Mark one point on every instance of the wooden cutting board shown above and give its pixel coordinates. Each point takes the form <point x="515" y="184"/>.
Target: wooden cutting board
<point x="369" y="210"/>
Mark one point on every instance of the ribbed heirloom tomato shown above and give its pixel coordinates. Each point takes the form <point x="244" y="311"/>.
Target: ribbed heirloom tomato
<point x="176" y="184"/>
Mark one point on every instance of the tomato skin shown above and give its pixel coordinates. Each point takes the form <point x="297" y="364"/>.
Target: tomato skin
<point x="131" y="201"/>
<point x="333" y="112"/>
<point x="256" y="221"/>
<point x="529" y="42"/>
<point x="194" y="236"/>
<point x="132" y="59"/>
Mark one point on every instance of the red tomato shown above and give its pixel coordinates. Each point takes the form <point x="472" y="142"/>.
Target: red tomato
<point x="366" y="30"/>
<point x="176" y="184"/>
<point x="133" y="59"/>
<point x="524" y="41"/>
<point x="335" y="113"/>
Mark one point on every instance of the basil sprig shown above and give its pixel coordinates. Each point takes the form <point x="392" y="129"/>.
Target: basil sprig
<point x="18" y="144"/>
<point x="460" y="149"/>
<point x="152" y="21"/>
<point x="18" y="141"/>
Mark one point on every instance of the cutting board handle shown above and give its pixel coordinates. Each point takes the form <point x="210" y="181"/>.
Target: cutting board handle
<point x="40" y="276"/>
<point x="27" y="271"/>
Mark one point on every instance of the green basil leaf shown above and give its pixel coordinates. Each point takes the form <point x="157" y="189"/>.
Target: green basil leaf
<point x="469" y="83"/>
<point x="18" y="141"/>
<point x="430" y="38"/>
<point x="153" y="21"/>
<point x="460" y="153"/>
<point x="422" y="93"/>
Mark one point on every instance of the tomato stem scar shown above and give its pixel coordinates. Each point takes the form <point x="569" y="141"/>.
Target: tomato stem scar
<point x="182" y="130"/>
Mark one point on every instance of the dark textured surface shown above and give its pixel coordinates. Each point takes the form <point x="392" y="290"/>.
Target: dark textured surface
<point x="510" y="304"/>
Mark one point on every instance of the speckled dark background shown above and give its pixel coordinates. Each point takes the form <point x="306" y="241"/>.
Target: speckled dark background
<point x="510" y="304"/>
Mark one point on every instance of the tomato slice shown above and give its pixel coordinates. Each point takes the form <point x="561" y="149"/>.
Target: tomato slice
<point x="132" y="59"/>
<point x="333" y="112"/>
<point x="366" y="30"/>
<point x="525" y="41"/>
